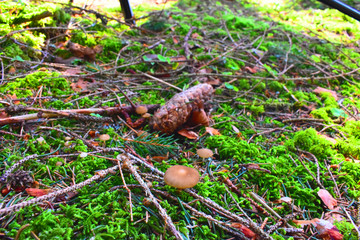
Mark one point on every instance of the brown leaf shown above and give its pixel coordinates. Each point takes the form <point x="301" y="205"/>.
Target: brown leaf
<point x="160" y="158"/>
<point x="212" y="131"/>
<point x="196" y="36"/>
<point x="80" y="85"/>
<point x="305" y="222"/>
<point x="3" y="114"/>
<point x="252" y="70"/>
<point x="72" y="71"/>
<point x="86" y="53"/>
<point x="246" y="231"/>
<point x="284" y="199"/>
<point x="199" y="118"/>
<point x="36" y="192"/>
<point x="213" y="81"/>
<point x="327" y="230"/>
<point x="12" y="70"/>
<point x="334" y="216"/>
<point x="14" y="97"/>
<point x="175" y="40"/>
<point x="328" y="200"/>
<point x="188" y="134"/>
<point x="319" y="90"/>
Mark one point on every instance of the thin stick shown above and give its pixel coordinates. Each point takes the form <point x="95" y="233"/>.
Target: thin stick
<point x="161" y="81"/>
<point x="225" y="226"/>
<point x="128" y="190"/>
<point x="352" y="222"/>
<point x="253" y="226"/>
<point x="311" y="174"/>
<point x="168" y="222"/>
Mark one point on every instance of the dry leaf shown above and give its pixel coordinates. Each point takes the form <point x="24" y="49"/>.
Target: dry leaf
<point x="212" y="131"/>
<point x="328" y="200"/>
<point x="236" y="130"/>
<point x="86" y="53"/>
<point x="13" y="97"/>
<point x="3" y="114"/>
<point x="252" y="70"/>
<point x="188" y="134"/>
<point x="160" y="158"/>
<point x="80" y="85"/>
<point x="12" y="70"/>
<point x="334" y="216"/>
<point x="196" y="36"/>
<point x="319" y="90"/>
<point x="305" y="222"/>
<point x="199" y="118"/>
<point x="284" y="199"/>
<point x="36" y="192"/>
<point x="71" y="71"/>
<point x="246" y="231"/>
<point x="327" y="230"/>
<point x="175" y="40"/>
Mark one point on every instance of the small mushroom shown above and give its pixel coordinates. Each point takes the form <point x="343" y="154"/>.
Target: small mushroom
<point x="146" y="115"/>
<point x="104" y="138"/>
<point x="181" y="177"/>
<point x="141" y="110"/>
<point x="205" y="153"/>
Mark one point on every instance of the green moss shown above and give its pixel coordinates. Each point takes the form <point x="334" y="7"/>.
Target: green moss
<point x="322" y="113"/>
<point x="51" y="83"/>
<point x="310" y="141"/>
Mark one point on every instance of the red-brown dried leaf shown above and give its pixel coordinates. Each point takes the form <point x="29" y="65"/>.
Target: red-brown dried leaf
<point x="252" y="70"/>
<point x="177" y="111"/>
<point x="327" y="231"/>
<point x="188" y="134"/>
<point x="86" y="53"/>
<point x="319" y="90"/>
<point x="80" y="85"/>
<point x="246" y="231"/>
<point x="212" y="131"/>
<point x="5" y="191"/>
<point x="326" y="197"/>
<point x="36" y="192"/>
<point x="199" y="118"/>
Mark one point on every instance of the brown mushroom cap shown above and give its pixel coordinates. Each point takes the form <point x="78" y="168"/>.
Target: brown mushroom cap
<point x="204" y="153"/>
<point x="146" y="115"/>
<point x="141" y="110"/>
<point x="104" y="137"/>
<point x="181" y="177"/>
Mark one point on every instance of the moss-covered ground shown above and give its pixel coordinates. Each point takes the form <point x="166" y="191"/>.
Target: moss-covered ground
<point x="286" y="107"/>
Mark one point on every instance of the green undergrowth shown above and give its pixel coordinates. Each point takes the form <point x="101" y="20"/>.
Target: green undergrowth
<point x="248" y="48"/>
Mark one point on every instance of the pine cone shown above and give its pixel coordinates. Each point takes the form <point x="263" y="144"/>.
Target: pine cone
<point x="177" y="110"/>
<point x="19" y="178"/>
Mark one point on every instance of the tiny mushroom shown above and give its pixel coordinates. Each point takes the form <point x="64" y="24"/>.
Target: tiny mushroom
<point x="141" y="110"/>
<point x="181" y="177"/>
<point x="204" y="153"/>
<point x="146" y="115"/>
<point x="104" y="138"/>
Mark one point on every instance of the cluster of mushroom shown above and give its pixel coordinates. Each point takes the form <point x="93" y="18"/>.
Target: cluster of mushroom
<point x="143" y="111"/>
<point x="182" y="177"/>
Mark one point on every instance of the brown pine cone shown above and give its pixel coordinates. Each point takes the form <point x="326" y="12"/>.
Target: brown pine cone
<point x="178" y="109"/>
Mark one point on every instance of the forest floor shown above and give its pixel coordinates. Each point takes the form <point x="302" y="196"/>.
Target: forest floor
<point x="94" y="111"/>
